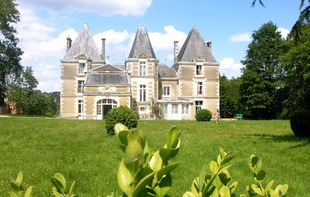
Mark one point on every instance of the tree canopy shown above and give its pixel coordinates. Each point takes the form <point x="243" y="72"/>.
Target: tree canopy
<point x="9" y="52"/>
<point x="259" y="87"/>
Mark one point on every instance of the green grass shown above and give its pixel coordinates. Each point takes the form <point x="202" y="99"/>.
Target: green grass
<point x="83" y="152"/>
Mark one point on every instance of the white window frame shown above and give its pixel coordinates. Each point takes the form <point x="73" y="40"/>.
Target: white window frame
<point x="185" y="108"/>
<point x="142" y="93"/>
<point x="82" y="66"/>
<point x="143" y="68"/>
<point x="199" y="69"/>
<point x="80" y="86"/>
<point x="80" y="107"/>
<point x="199" y="87"/>
<point x="166" y="91"/>
<point x="198" y="105"/>
<point x="174" y="108"/>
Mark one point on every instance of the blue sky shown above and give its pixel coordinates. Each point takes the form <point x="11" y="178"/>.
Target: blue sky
<point x="45" y="25"/>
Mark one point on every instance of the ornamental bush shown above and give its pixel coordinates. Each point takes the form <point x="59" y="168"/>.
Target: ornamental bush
<point x="203" y="115"/>
<point x="300" y="123"/>
<point x="122" y="115"/>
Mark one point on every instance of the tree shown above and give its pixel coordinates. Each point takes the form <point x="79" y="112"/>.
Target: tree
<point x="296" y="72"/>
<point x="303" y="17"/>
<point x="259" y="87"/>
<point x="229" y="91"/>
<point x="9" y="52"/>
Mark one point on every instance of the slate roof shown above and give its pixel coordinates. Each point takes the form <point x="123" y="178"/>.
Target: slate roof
<point x="83" y="44"/>
<point x="195" y="47"/>
<point x="142" y="46"/>
<point x="166" y="72"/>
<point x="107" y="75"/>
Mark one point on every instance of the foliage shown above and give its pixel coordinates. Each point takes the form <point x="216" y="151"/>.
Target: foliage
<point x="143" y="172"/>
<point x="18" y="188"/>
<point x="203" y="115"/>
<point x="9" y="52"/>
<point x="300" y="123"/>
<point x="257" y="188"/>
<point x="259" y="88"/>
<point x="217" y="182"/>
<point x="295" y="72"/>
<point x="121" y="114"/>
<point x="230" y="94"/>
<point x="59" y="186"/>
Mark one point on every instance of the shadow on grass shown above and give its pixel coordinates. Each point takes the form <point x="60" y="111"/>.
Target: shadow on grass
<point x="285" y="138"/>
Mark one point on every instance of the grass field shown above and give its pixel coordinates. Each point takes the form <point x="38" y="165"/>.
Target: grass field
<point x="83" y="152"/>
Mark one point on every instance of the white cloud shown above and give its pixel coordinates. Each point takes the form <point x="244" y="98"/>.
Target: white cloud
<point x="164" y="41"/>
<point x="284" y="32"/>
<point x="241" y="37"/>
<point x="230" y="68"/>
<point x="102" y="7"/>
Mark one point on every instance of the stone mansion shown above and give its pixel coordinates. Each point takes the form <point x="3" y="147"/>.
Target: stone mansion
<point x="91" y="85"/>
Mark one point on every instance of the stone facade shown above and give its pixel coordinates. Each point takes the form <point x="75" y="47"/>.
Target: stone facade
<point x="90" y="86"/>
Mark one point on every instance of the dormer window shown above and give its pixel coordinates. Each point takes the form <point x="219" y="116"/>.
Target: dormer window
<point x="198" y="69"/>
<point x="81" y="68"/>
<point x="142" y="68"/>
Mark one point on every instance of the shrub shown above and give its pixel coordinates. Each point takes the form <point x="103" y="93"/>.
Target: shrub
<point x="122" y="115"/>
<point x="300" y="123"/>
<point x="203" y="115"/>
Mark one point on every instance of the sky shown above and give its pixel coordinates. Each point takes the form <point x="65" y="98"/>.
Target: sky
<point x="45" y="25"/>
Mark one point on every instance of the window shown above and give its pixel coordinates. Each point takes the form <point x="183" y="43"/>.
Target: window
<point x="80" y="86"/>
<point x="142" y="68"/>
<point x="166" y="90"/>
<point x="80" y="107"/>
<point x="199" y="87"/>
<point x="81" y="67"/>
<point x="198" y="69"/>
<point x="185" y="108"/>
<point x="164" y="108"/>
<point x="174" y="108"/>
<point x="102" y="102"/>
<point x="198" y="105"/>
<point x="142" y="93"/>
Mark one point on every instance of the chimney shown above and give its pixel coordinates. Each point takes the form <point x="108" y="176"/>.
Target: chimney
<point x="103" y="49"/>
<point x="69" y="42"/>
<point x="176" y="52"/>
<point x="209" y="45"/>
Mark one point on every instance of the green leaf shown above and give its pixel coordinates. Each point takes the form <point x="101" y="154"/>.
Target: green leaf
<point x="141" y="185"/>
<point x="269" y="185"/>
<point x="167" y="169"/>
<point x="214" y="167"/>
<point x="233" y="186"/>
<point x="224" y="191"/>
<point x="260" y="176"/>
<point x="19" y="179"/>
<point x="13" y="194"/>
<point x="121" y="132"/>
<point x="156" y="162"/>
<point x="227" y="159"/>
<point x="164" y="186"/>
<point x="281" y="190"/>
<point x="190" y="194"/>
<point x="28" y="192"/>
<point x="201" y="181"/>
<point x="59" y="181"/>
<point x="257" y="189"/>
<point x="56" y="193"/>
<point x="173" y="137"/>
<point x="70" y="192"/>
<point x="255" y="163"/>
<point x="168" y="153"/>
<point x="124" y="178"/>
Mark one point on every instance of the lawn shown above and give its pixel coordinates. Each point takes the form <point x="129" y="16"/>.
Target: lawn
<point x="83" y="152"/>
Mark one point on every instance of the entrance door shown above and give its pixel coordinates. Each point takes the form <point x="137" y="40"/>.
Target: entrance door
<point x="103" y="106"/>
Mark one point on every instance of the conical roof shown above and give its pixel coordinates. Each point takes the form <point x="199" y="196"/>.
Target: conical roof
<point x="195" y="47"/>
<point x="83" y="44"/>
<point x="142" y="46"/>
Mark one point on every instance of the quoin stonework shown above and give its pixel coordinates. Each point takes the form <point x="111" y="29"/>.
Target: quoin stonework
<point x="91" y="85"/>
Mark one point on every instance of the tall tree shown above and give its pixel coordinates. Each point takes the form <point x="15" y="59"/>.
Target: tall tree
<point x="296" y="71"/>
<point x="259" y="87"/>
<point x="9" y="52"/>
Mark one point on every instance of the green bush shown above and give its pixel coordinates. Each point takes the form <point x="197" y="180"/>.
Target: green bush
<point x="203" y="115"/>
<point x="122" y="115"/>
<point x="300" y="123"/>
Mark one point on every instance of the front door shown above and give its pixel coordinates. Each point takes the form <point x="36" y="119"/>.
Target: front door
<point x="103" y="106"/>
<point x="105" y="109"/>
